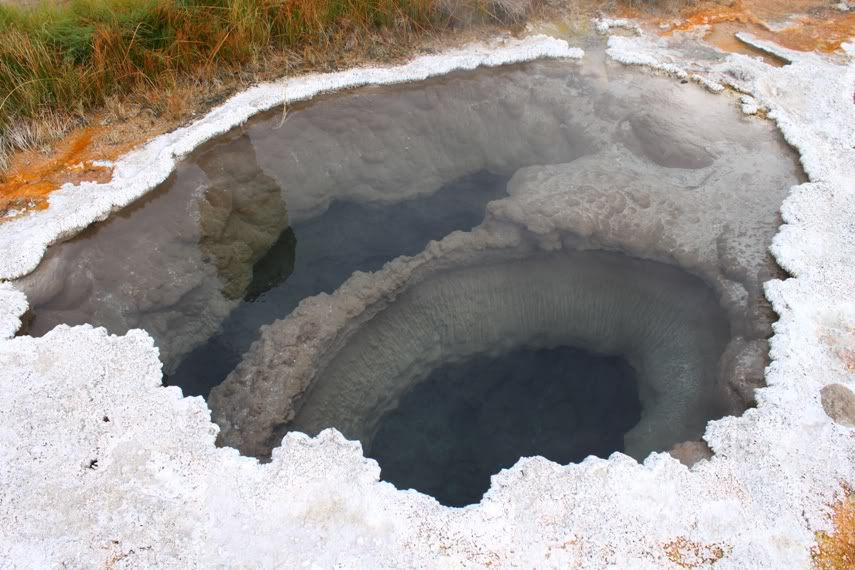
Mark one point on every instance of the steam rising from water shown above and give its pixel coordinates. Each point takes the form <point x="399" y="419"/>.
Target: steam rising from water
<point x="602" y="159"/>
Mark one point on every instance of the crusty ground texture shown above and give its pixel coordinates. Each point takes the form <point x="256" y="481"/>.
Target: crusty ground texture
<point x="103" y="467"/>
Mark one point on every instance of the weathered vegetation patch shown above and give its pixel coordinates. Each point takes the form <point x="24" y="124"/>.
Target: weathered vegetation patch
<point x="59" y="60"/>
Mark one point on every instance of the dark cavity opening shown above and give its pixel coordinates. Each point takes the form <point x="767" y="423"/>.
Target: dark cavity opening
<point x="469" y="420"/>
<point x="642" y="375"/>
<point x="319" y="254"/>
<point x="273" y="213"/>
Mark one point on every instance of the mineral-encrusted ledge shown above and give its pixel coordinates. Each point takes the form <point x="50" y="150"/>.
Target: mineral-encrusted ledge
<point x="100" y="466"/>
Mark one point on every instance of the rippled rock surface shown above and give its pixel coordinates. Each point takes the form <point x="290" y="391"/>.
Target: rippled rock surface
<point x="175" y="263"/>
<point x="644" y="167"/>
<point x="664" y="322"/>
<point x="634" y="223"/>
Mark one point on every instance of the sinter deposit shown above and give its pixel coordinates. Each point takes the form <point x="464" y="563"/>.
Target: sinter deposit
<point x="613" y="171"/>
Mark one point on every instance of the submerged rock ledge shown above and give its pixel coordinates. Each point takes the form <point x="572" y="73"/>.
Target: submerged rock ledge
<point x="73" y="207"/>
<point x="696" y="219"/>
<point x="103" y="466"/>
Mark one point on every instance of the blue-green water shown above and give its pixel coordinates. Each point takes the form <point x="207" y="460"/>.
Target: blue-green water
<point x="469" y="420"/>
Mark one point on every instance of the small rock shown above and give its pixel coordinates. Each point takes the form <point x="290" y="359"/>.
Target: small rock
<point x="838" y="401"/>
<point x="690" y="452"/>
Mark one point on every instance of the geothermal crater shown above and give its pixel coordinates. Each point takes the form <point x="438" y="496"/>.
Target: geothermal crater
<point x="654" y="322"/>
<point x="553" y="258"/>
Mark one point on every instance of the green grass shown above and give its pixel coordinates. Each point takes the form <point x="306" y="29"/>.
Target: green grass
<point x="62" y="59"/>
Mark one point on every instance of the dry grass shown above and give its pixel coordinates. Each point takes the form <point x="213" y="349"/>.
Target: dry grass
<point x="34" y="134"/>
<point x="155" y="62"/>
<point x="59" y="62"/>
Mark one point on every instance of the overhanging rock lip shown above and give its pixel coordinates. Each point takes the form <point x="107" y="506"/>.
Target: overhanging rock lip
<point x="13" y="305"/>
<point x="181" y="499"/>
<point x="24" y="240"/>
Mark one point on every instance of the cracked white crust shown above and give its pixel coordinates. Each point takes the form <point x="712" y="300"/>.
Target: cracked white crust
<point x="161" y="495"/>
<point x="13" y="304"/>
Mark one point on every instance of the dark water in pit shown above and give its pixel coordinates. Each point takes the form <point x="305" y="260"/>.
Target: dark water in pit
<point x="318" y="255"/>
<point x="469" y="420"/>
<point x="176" y="263"/>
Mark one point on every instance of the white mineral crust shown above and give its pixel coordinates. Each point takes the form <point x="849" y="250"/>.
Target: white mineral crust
<point x="23" y="240"/>
<point x="100" y="466"/>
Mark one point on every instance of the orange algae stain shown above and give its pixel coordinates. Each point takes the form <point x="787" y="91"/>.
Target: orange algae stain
<point x="835" y="550"/>
<point x="736" y="12"/>
<point x="28" y="183"/>
<point x="723" y="36"/>
<point x="629" y="12"/>
<point x="689" y="554"/>
<point x="816" y="33"/>
<point x="799" y="25"/>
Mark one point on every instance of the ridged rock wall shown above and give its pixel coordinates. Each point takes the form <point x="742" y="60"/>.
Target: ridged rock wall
<point x="665" y="323"/>
<point x="642" y="181"/>
<point x="100" y="466"/>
